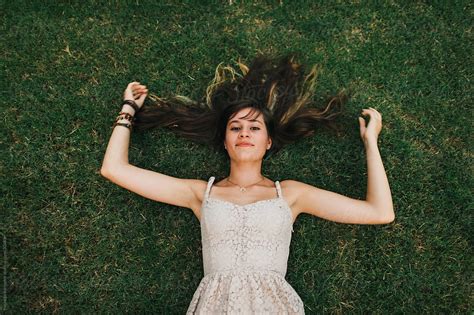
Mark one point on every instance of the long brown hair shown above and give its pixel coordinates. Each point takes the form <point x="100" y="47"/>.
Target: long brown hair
<point x="279" y="88"/>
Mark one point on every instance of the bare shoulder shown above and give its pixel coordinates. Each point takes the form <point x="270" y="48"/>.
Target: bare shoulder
<point x="291" y="190"/>
<point x="296" y="188"/>
<point x="293" y="186"/>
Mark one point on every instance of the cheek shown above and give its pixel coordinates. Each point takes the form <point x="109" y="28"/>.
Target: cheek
<point x="229" y="138"/>
<point x="262" y="142"/>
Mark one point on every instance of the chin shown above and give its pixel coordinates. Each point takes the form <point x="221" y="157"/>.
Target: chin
<point x="247" y="157"/>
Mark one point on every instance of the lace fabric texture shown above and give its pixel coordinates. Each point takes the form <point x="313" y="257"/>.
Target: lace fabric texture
<point x="245" y="252"/>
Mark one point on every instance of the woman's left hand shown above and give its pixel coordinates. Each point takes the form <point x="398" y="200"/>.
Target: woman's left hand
<point x="135" y="92"/>
<point x="371" y="132"/>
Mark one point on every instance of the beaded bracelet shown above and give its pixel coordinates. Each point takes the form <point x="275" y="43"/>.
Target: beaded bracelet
<point x="124" y="115"/>
<point x="129" y="126"/>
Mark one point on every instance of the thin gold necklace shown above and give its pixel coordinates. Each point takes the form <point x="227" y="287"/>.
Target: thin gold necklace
<point x="244" y="189"/>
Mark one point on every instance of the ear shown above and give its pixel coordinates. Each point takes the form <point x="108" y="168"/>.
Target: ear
<point x="269" y="143"/>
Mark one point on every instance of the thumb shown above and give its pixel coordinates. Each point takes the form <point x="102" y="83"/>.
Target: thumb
<point x="361" y="125"/>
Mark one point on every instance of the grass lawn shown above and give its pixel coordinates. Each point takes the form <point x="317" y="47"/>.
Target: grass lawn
<point x="77" y="243"/>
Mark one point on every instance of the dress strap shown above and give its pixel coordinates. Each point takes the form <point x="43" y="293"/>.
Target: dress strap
<point x="209" y="184"/>
<point x="277" y="184"/>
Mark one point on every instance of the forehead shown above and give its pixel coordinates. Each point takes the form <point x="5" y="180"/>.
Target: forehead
<point x="246" y="114"/>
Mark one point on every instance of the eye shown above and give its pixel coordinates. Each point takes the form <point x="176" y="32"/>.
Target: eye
<point x="237" y="128"/>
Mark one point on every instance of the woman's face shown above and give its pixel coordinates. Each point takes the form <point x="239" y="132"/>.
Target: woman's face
<point x="247" y="138"/>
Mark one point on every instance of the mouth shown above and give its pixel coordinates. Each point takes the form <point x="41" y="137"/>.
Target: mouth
<point x="245" y="145"/>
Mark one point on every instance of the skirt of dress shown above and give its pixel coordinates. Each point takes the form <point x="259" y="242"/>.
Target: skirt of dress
<point x="245" y="292"/>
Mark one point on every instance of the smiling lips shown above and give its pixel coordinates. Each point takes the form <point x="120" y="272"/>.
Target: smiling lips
<point x="244" y="144"/>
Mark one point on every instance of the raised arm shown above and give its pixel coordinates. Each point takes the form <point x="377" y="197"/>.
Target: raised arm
<point x="149" y="184"/>
<point x="378" y="206"/>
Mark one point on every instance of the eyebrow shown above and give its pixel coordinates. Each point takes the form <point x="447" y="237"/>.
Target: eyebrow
<point x="252" y="120"/>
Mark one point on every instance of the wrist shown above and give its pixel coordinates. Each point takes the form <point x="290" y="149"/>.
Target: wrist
<point x="128" y="109"/>
<point x="132" y="104"/>
<point x="370" y="142"/>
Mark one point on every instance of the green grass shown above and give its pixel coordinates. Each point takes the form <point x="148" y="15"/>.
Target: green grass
<point x="78" y="243"/>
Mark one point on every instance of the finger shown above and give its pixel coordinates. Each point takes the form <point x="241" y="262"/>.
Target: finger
<point x="137" y="93"/>
<point x="139" y="86"/>
<point x="139" y="89"/>
<point x="378" y="113"/>
<point x="366" y="111"/>
<point x="132" y="84"/>
<point x="371" y="112"/>
<point x="362" y="126"/>
<point x="142" y="97"/>
<point x="374" y="110"/>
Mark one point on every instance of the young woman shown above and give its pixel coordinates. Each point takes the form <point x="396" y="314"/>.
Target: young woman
<point x="246" y="219"/>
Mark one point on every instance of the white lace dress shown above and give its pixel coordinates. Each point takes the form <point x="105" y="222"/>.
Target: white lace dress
<point x="245" y="252"/>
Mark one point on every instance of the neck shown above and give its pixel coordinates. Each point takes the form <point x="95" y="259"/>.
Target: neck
<point x="245" y="173"/>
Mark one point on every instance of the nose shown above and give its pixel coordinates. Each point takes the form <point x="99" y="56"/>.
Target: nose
<point x="243" y="133"/>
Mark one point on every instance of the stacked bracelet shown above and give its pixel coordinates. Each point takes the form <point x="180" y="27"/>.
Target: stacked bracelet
<point x="126" y="116"/>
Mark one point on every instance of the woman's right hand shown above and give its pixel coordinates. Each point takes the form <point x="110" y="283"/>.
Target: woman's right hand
<point x="135" y="92"/>
<point x="372" y="131"/>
